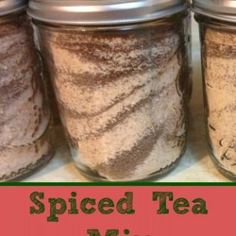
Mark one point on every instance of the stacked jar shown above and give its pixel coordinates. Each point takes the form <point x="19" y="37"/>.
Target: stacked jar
<point x="118" y="70"/>
<point x="217" y="21"/>
<point x="24" y="114"/>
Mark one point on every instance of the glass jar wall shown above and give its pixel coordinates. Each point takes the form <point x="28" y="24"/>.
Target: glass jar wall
<point x="121" y="95"/>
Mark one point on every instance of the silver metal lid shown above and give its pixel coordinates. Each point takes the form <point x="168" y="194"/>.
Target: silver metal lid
<point x="218" y="9"/>
<point x="10" y="6"/>
<point x="103" y="12"/>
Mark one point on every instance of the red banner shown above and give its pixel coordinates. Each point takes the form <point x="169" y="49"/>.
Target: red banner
<point x="111" y="211"/>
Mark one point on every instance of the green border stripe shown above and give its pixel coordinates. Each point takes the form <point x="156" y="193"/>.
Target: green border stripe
<point x="118" y="184"/>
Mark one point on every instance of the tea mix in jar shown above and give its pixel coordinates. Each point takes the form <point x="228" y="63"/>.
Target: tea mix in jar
<point x="217" y="21"/>
<point x="24" y="114"/>
<point x="119" y="75"/>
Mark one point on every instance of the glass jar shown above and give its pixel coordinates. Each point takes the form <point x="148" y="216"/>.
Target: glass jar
<point x="218" y="40"/>
<point x="24" y="114"/>
<point x="119" y="75"/>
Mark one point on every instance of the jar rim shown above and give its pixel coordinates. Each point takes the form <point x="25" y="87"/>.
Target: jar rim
<point x="11" y="6"/>
<point x="218" y="9"/>
<point x="103" y="12"/>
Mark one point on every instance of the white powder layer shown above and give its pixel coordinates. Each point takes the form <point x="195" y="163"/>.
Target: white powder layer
<point x="220" y="83"/>
<point x="24" y="118"/>
<point x="117" y="95"/>
<point x="167" y="150"/>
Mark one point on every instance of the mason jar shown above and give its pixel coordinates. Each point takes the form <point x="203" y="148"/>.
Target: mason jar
<point x="217" y="20"/>
<point x="24" y="114"/>
<point x="118" y="70"/>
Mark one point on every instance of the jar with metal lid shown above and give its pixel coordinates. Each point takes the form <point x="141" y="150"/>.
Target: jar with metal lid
<point x="217" y="21"/>
<point x="24" y="114"/>
<point x="118" y="70"/>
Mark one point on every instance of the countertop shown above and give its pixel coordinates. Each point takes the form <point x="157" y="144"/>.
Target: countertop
<point x="195" y="166"/>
